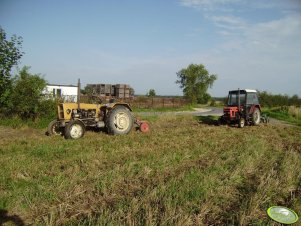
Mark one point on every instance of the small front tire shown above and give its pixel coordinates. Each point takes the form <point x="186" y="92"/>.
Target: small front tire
<point x="241" y="123"/>
<point x="54" y="128"/>
<point x="74" y="130"/>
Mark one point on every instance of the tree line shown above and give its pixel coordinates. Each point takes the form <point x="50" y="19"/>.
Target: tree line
<point x="271" y="100"/>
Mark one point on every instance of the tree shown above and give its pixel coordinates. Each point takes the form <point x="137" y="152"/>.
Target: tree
<point x="27" y="94"/>
<point x="151" y="93"/>
<point x="195" y="81"/>
<point x="10" y="55"/>
<point x="204" y="98"/>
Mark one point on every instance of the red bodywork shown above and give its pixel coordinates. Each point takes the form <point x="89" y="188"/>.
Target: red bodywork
<point x="231" y="112"/>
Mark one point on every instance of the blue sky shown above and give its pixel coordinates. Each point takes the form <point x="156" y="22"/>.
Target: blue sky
<point x="248" y="44"/>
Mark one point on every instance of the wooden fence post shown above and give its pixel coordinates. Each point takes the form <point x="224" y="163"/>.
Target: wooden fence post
<point x="152" y="102"/>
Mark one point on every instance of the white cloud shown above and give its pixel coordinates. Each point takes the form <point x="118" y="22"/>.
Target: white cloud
<point x="280" y="31"/>
<point x="206" y="4"/>
<point x="276" y="36"/>
<point x="262" y="54"/>
<point x="228" y="22"/>
<point x="280" y="34"/>
<point x="225" y="5"/>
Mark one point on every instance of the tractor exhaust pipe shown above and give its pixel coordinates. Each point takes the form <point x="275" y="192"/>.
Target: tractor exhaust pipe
<point x="78" y="94"/>
<point x="238" y="100"/>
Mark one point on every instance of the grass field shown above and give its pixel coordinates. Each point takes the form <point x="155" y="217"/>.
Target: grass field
<point x="183" y="172"/>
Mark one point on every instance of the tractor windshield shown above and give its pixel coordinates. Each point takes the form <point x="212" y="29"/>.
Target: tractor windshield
<point x="233" y="98"/>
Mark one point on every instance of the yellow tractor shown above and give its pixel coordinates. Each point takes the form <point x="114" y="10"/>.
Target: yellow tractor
<point x="74" y="118"/>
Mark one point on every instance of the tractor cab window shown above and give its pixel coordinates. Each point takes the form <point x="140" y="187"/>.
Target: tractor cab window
<point x="233" y="98"/>
<point x="242" y="97"/>
<point x="252" y="98"/>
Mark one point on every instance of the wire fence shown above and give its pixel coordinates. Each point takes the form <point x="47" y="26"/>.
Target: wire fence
<point x="157" y="102"/>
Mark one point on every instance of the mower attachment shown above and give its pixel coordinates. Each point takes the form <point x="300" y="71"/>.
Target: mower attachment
<point x="143" y="126"/>
<point x="264" y="119"/>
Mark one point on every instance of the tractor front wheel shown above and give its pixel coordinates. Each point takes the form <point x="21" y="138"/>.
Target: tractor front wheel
<point x="75" y="129"/>
<point x="241" y="123"/>
<point x="54" y="128"/>
<point x="256" y="117"/>
<point x="119" y="121"/>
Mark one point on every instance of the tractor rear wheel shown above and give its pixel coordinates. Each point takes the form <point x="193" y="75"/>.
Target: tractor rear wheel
<point x="241" y="123"/>
<point x="256" y="117"/>
<point x="54" y="128"/>
<point x="75" y="129"/>
<point x="119" y="121"/>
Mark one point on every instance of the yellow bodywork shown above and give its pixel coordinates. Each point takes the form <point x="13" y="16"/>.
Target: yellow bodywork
<point x="65" y="109"/>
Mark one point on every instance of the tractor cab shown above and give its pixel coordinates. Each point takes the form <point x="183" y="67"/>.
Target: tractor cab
<point x="244" y="98"/>
<point x="242" y="108"/>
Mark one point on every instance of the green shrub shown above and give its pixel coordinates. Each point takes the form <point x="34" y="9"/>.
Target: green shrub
<point x="26" y="95"/>
<point x="47" y="108"/>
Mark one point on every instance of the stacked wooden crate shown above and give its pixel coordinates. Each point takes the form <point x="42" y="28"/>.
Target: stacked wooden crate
<point x="120" y="91"/>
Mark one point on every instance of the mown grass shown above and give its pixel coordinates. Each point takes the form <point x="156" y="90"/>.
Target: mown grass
<point x="181" y="173"/>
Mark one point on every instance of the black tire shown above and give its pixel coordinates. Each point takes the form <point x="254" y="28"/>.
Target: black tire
<point x="119" y="121"/>
<point x="241" y="123"/>
<point x="75" y="129"/>
<point x="256" y="117"/>
<point x="54" y="128"/>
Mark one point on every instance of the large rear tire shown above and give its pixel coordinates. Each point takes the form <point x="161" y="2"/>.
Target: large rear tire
<point x="256" y="117"/>
<point x="54" y="128"/>
<point x="75" y="129"/>
<point x="119" y="121"/>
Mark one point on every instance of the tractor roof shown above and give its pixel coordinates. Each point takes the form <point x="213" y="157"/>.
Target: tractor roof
<point x="245" y="90"/>
<point x="250" y="90"/>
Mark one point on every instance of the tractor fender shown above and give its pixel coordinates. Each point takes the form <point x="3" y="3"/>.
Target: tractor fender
<point x="254" y="107"/>
<point x="75" y="119"/>
<point x="113" y="105"/>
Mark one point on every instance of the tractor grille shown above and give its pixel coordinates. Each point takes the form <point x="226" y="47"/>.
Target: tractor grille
<point x="60" y="111"/>
<point x="230" y="111"/>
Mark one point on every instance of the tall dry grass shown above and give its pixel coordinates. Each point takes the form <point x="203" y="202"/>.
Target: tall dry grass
<point x="294" y="111"/>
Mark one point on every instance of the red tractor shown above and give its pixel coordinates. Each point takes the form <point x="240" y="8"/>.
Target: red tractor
<point x="243" y="108"/>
